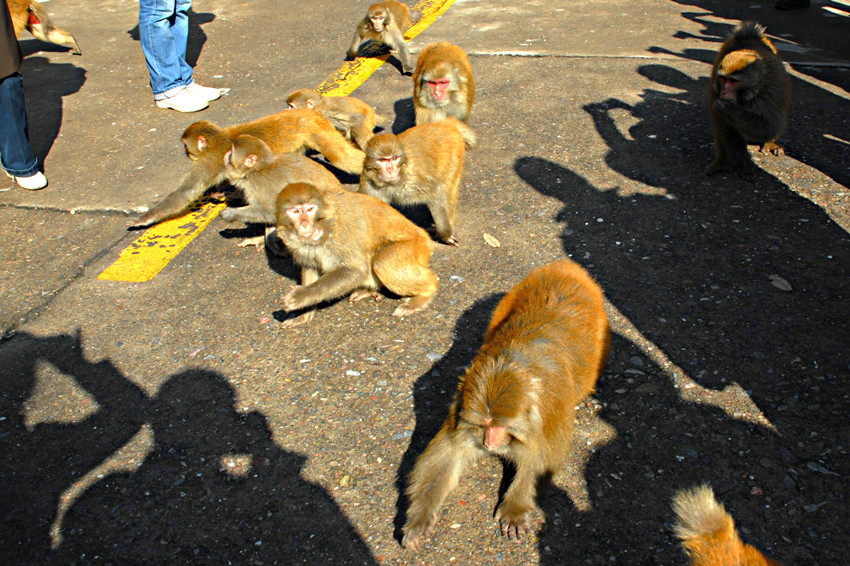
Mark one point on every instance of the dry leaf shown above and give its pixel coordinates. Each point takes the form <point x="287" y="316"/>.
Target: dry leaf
<point x="491" y="241"/>
<point x="779" y="282"/>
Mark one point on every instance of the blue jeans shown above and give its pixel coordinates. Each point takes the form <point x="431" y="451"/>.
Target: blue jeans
<point x="164" y="34"/>
<point x="16" y="155"/>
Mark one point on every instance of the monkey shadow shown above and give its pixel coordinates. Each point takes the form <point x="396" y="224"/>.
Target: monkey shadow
<point x="434" y="390"/>
<point x="815" y="134"/>
<point x="213" y="486"/>
<point x="662" y="444"/>
<point x="694" y="270"/>
<point x="405" y="115"/>
<point x="375" y="48"/>
<point x="197" y="37"/>
<point x="45" y="84"/>
<point x="344" y="177"/>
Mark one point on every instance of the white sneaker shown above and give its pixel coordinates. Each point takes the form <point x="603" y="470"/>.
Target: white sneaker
<point x="184" y="101"/>
<point x="31" y="183"/>
<point x="206" y="92"/>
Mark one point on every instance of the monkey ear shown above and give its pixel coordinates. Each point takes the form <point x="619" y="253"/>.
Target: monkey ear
<point x="202" y="142"/>
<point x="311" y="103"/>
<point x="251" y="160"/>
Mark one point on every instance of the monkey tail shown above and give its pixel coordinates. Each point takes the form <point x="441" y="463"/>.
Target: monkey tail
<point x="708" y="532"/>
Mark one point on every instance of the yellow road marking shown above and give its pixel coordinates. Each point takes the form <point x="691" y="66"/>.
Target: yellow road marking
<point x="148" y="254"/>
<point x="151" y="252"/>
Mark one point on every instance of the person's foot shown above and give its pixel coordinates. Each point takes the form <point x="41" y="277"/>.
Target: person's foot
<point x="30" y="182"/>
<point x="206" y="92"/>
<point x="184" y="101"/>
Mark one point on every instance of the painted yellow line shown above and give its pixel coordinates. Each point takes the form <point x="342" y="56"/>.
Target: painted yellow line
<point x="150" y="253"/>
<point x="354" y="73"/>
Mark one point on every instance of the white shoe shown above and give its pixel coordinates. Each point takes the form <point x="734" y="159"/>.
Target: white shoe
<point x="206" y="92"/>
<point x="31" y="183"/>
<point x="184" y="101"/>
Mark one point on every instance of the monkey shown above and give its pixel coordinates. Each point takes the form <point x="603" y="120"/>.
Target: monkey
<point x="708" y="534"/>
<point x="385" y="23"/>
<point x="442" y="84"/>
<point x="206" y="143"/>
<point x="346" y="242"/>
<point x="30" y="15"/>
<point x="421" y="165"/>
<point x="748" y="99"/>
<point x="355" y="119"/>
<point x="544" y="349"/>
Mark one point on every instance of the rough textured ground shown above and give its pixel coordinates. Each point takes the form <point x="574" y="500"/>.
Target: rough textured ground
<point x="176" y="422"/>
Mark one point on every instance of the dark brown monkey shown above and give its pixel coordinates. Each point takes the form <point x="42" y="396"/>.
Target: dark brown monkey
<point x="748" y="99"/>
<point x="707" y="532"/>
<point x="351" y="243"/>
<point x="442" y="83"/>
<point x="351" y="116"/>
<point x="30" y="15"/>
<point x="385" y="23"/>
<point x="543" y="351"/>
<point x="285" y="132"/>
<point x="421" y="165"/>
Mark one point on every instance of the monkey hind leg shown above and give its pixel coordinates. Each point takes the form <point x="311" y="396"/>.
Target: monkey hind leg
<point x="337" y="150"/>
<point x="402" y="267"/>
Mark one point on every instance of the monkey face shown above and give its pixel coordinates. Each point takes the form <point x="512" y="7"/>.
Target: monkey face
<point x="377" y="18"/>
<point x="304" y="219"/>
<point x="439" y="87"/>
<point x="389" y="168"/>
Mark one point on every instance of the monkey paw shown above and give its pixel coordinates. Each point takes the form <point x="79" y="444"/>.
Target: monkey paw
<point x="772" y="148"/>
<point x="293" y="301"/>
<point x="258" y="241"/>
<point x="228" y="214"/>
<point x="360" y="294"/>
<point x="299" y="320"/>
<point x="413" y="537"/>
<point x="514" y="520"/>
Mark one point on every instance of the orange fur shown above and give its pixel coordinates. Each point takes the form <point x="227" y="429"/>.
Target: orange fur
<point x="443" y="61"/>
<point x="708" y="532"/>
<point x="543" y="351"/>
<point x="29" y="15"/>
<point x="355" y="119"/>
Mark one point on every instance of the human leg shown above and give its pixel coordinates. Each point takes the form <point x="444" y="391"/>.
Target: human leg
<point x="164" y="33"/>
<point x="16" y="155"/>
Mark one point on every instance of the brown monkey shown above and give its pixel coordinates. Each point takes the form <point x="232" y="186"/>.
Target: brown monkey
<point x="442" y="83"/>
<point x="385" y="23"/>
<point x="748" y="99"/>
<point x="543" y="351"/>
<point x="351" y="116"/>
<point x="206" y="143"/>
<point x="351" y="243"/>
<point x="708" y="532"/>
<point x="421" y="165"/>
<point x="30" y="15"/>
<point x="251" y="166"/>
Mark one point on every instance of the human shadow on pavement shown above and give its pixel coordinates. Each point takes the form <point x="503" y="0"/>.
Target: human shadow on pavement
<point x="45" y="85"/>
<point x="817" y="129"/>
<point x="214" y="488"/>
<point x="694" y="269"/>
<point x="434" y="390"/>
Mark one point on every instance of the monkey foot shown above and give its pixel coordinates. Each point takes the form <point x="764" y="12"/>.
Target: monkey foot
<point x="772" y="148"/>
<point x="299" y="320"/>
<point x="360" y="294"/>
<point x="258" y="241"/>
<point x="411" y="305"/>
<point x="514" y="520"/>
<point x="414" y="538"/>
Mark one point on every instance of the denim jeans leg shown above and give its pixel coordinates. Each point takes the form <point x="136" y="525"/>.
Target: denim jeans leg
<point x="163" y="33"/>
<point x="16" y="155"/>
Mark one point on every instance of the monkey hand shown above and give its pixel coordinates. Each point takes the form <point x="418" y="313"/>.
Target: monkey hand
<point x="725" y="107"/>
<point x="299" y="320"/>
<point x="228" y="214"/>
<point x="295" y="299"/>
<point x="514" y="519"/>
<point x="414" y="535"/>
